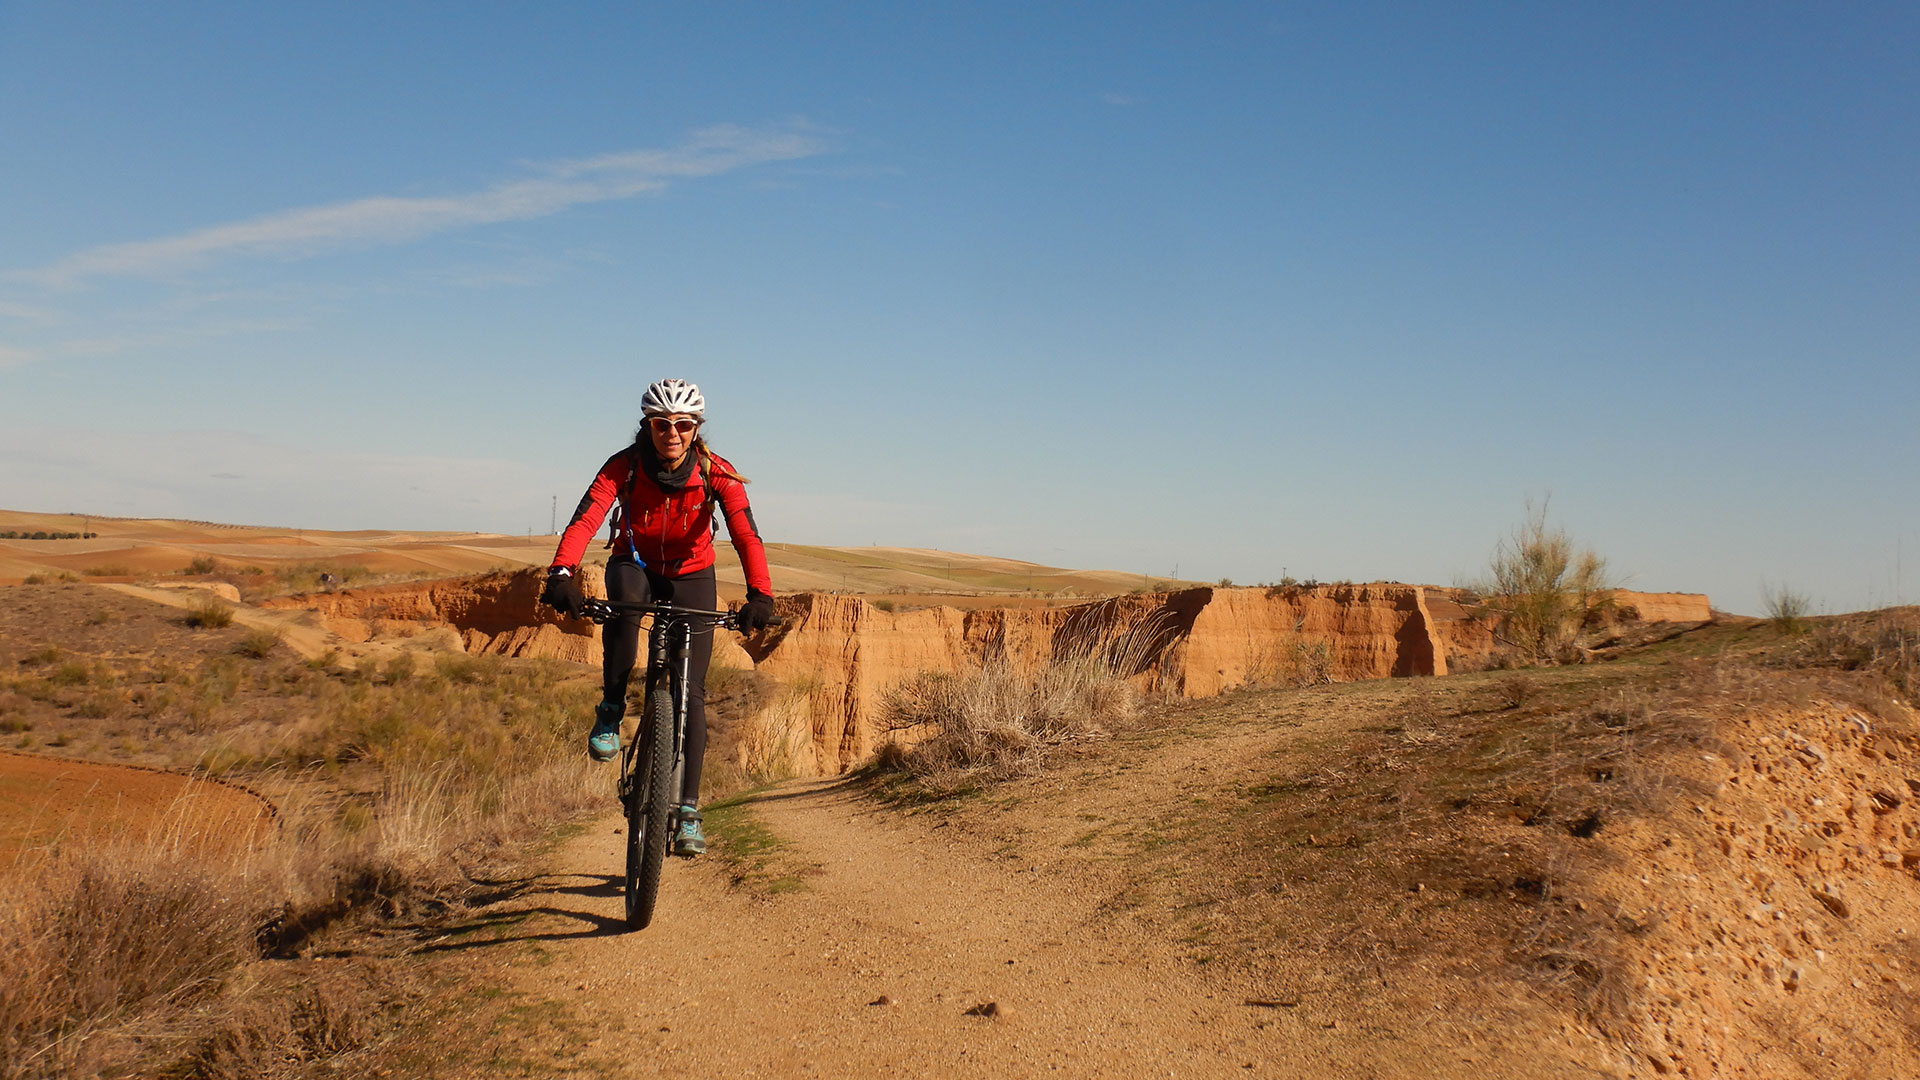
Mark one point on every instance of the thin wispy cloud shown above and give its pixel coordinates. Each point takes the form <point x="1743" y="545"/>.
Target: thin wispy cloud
<point x="11" y="356"/>
<point x="172" y="337"/>
<point x="27" y="313"/>
<point x="385" y="219"/>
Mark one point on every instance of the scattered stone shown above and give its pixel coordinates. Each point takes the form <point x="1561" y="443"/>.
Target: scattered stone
<point x="1273" y="1003"/>
<point x="881" y="1000"/>
<point x="1332" y="1025"/>
<point x="1885" y="802"/>
<point x="1832" y="903"/>
<point x="987" y="1008"/>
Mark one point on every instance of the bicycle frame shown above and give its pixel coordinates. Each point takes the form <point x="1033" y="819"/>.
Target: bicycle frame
<point x="653" y="764"/>
<point x="669" y="649"/>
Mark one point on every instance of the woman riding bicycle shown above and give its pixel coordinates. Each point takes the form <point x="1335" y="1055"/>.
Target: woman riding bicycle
<point x="667" y="484"/>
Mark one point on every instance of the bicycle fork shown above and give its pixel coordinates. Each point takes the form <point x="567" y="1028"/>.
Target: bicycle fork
<point x="662" y="653"/>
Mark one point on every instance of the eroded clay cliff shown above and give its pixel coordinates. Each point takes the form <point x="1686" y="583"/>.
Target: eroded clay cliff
<point x="843" y="655"/>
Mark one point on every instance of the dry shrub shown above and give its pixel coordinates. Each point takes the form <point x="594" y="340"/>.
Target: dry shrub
<point x="209" y="614"/>
<point x="772" y="744"/>
<point x="1543" y="588"/>
<point x="1515" y="690"/>
<point x="258" y="644"/>
<point x="317" y="1020"/>
<point x="1786" y="608"/>
<point x="1885" y="642"/>
<point x="996" y="722"/>
<point x="84" y="944"/>
<point x="1290" y="659"/>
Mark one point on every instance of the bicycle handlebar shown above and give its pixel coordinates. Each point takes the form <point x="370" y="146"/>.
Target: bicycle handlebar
<point x="602" y="610"/>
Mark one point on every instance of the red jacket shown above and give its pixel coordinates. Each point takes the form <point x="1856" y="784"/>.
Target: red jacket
<point x="671" y="531"/>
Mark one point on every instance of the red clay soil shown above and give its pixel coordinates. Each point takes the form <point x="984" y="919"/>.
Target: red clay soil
<point x="49" y="802"/>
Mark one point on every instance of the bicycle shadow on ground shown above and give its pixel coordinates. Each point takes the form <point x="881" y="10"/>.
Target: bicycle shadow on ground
<point x="494" y="927"/>
<point x="490" y="891"/>
<point x="482" y="933"/>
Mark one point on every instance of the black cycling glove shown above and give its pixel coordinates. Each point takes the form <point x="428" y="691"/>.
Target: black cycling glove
<point x="563" y="593"/>
<point x="757" y="612"/>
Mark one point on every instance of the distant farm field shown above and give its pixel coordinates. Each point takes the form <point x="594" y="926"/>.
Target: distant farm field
<point x="53" y="803"/>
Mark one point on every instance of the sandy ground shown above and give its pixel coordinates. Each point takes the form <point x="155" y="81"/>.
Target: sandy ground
<point x="903" y="926"/>
<point x="731" y="984"/>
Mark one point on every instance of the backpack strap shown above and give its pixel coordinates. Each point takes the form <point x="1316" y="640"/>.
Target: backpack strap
<point x="618" y="517"/>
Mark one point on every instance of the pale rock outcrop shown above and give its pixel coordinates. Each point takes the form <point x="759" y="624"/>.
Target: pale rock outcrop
<point x="1673" y="607"/>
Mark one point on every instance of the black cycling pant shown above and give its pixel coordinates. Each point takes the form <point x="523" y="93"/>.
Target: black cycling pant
<point x="620" y="647"/>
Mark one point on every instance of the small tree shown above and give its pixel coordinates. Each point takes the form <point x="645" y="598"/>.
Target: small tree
<point x="1544" y="586"/>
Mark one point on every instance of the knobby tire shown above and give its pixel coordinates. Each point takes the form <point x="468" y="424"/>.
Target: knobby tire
<point x="647" y="811"/>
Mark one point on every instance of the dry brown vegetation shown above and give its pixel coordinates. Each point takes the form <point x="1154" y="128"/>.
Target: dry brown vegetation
<point x="399" y="787"/>
<point x="1543" y="588"/>
<point x="1545" y="835"/>
<point x="998" y="722"/>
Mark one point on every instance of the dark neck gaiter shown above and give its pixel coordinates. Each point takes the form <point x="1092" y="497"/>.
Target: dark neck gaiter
<point x="669" y="479"/>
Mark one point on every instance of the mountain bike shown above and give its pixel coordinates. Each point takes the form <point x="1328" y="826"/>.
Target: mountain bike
<point x="652" y="762"/>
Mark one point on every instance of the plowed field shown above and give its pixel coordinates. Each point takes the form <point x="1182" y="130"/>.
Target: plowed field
<point x="47" y="802"/>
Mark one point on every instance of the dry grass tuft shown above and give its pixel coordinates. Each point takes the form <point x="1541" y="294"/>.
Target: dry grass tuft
<point x="320" y="1019"/>
<point x="210" y="615"/>
<point x="258" y="644"/>
<point x="111" y="936"/>
<point x="1786" y="608"/>
<point x="1514" y="691"/>
<point x="997" y="722"/>
<point x="1885" y="642"/>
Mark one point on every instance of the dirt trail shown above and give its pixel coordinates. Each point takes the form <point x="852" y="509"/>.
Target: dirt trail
<point x="936" y="920"/>
<point x="731" y="984"/>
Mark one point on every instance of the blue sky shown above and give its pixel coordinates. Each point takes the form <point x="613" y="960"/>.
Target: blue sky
<point x="1242" y="289"/>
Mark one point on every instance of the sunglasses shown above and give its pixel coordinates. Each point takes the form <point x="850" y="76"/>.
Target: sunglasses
<point x="661" y="425"/>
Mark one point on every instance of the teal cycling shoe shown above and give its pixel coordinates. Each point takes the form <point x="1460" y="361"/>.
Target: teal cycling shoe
<point x="603" y="742"/>
<point x="689" y="840"/>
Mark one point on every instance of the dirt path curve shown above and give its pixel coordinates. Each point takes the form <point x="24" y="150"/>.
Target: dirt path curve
<point x="731" y="984"/>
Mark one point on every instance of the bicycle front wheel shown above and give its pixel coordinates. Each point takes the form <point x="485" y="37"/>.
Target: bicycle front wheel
<point x="647" y="811"/>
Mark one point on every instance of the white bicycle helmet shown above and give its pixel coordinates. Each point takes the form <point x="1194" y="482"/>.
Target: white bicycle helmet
<point x="673" y="396"/>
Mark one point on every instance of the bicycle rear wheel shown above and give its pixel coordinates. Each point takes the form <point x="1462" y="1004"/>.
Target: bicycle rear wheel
<point x="647" y="811"/>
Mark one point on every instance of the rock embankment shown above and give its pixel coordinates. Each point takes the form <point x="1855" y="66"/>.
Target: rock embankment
<point x="497" y="613"/>
<point x="1773" y="910"/>
<point x="846" y="654"/>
